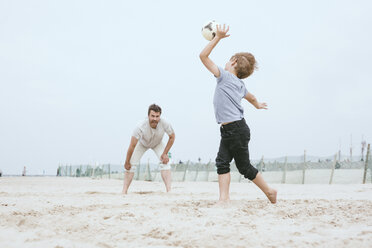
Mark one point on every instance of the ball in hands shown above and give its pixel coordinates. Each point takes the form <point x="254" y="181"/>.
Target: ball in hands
<point x="209" y="30"/>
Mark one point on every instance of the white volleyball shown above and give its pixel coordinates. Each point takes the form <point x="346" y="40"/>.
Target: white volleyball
<point x="209" y="30"/>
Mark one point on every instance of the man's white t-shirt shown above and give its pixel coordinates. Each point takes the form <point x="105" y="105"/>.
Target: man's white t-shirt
<point x="151" y="137"/>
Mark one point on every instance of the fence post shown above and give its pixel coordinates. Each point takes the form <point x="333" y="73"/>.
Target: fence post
<point x="285" y="170"/>
<point x="333" y="168"/>
<point x="208" y="170"/>
<point x="261" y="163"/>
<point x="147" y="176"/>
<point x="304" y="168"/>
<point x="366" y="165"/>
<point x="197" y="171"/>
<point x="109" y="171"/>
<point x="156" y="174"/>
<point x="138" y="171"/>
<point x="186" y="167"/>
<point x="370" y="167"/>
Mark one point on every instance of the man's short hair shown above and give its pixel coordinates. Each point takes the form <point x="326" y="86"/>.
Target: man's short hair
<point x="245" y="64"/>
<point x="155" y="108"/>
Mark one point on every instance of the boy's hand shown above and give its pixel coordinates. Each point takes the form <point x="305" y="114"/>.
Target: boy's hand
<point x="253" y="100"/>
<point x="261" y="105"/>
<point x="222" y="31"/>
<point x="204" y="55"/>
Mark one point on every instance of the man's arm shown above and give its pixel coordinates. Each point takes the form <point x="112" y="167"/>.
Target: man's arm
<point x="253" y="100"/>
<point x="204" y="55"/>
<point x="133" y="143"/>
<point x="164" y="157"/>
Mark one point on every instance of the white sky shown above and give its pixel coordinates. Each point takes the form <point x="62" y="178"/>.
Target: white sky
<point x="76" y="77"/>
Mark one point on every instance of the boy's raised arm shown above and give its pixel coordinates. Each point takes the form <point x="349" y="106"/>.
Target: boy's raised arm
<point x="204" y="55"/>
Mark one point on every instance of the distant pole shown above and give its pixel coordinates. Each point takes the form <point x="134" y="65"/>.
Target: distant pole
<point x="208" y="170"/>
<point x="197" y="170"/>
<point x="138" y="171"/>
<point x="363" y="147"/>
<point x="285" y="170"/>
<point x="304" y="168"/>
<point x="109" y="171"/>
<point x="147" y="176"/>
<point x="184" y="174"/>
<point x="333" y="169"/>
<point x="261" y="163"/>
<point x="339" y="155"/>
<point x="351" y="148"/>
<point x="366" y="164"/>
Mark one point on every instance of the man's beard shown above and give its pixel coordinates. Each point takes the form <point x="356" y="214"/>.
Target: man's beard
<point x="154" y="123"/>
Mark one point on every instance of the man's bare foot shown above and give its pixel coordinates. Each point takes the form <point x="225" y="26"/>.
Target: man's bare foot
<point x="124" y="192"/>
<point x="271" y="195"/>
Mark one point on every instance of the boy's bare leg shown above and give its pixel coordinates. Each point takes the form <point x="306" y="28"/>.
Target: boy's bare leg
<point x="167" y="179"/>
<point x="269" y="192"/>
<point x="128" y="177"/>
<point x="224" y="184"/>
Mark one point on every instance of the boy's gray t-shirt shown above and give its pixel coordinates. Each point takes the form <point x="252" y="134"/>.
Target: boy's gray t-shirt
<point x="227" y="97"/>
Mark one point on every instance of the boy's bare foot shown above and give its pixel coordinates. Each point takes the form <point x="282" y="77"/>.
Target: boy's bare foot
<point x="223" y="203"/>
<point x="271" y="195"/>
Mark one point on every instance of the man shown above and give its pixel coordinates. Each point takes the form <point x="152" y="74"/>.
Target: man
<point x="146" y="136"/>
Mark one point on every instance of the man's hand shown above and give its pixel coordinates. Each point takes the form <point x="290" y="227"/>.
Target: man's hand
<point x="127" y="165"/>
<point x="133" y="143"/>
<point x="222" y="31"/>
<point x="164" y="158"/>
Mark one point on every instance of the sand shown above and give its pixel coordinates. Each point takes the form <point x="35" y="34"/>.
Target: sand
<point x="84" y="212"/>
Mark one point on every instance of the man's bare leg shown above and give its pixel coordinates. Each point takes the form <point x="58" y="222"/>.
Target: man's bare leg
<point x="224" y="184"/>
<point x="167" y="179"/>
<point x="128" y="177"/>
<point x="269" y="192"/>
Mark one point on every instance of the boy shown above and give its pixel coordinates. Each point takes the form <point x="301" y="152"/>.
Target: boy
<point x="235" y="133"/>
<point x="146" y="136"/>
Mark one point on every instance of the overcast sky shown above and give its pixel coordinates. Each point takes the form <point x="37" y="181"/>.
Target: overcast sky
<point x="76" y="77"/>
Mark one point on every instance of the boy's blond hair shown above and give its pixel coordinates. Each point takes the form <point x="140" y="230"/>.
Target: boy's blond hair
<point x="245" y="64"/>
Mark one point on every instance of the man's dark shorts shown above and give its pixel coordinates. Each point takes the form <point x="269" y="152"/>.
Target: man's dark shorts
<point x="234" y="145"/>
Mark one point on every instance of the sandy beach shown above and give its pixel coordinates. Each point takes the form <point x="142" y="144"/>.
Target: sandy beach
<point x="84" y="212"/>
